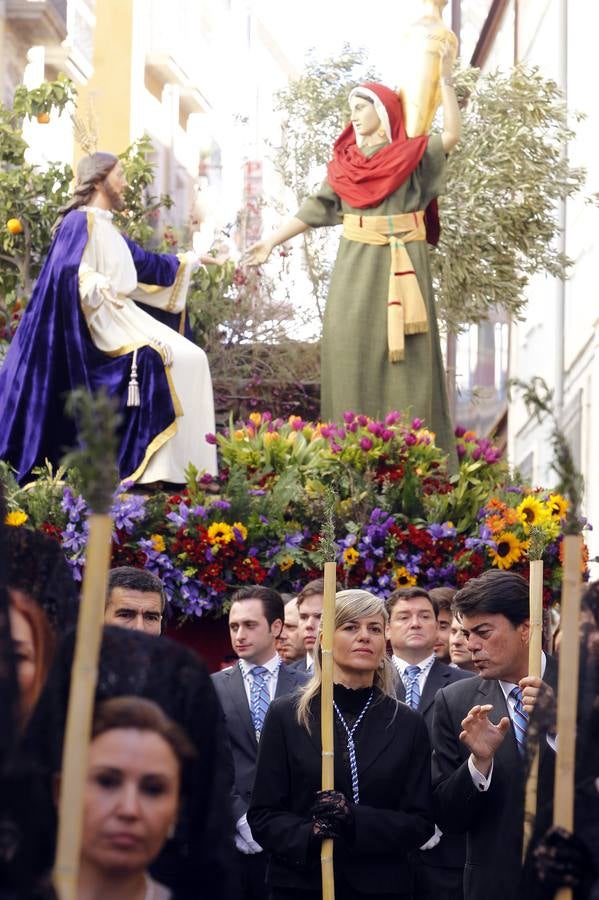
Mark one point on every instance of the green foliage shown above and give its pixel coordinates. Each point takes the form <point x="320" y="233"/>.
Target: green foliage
<point x="95" y="460"/>
<point x="242" y="323"/>
<point x="141" y="206"/>
<point x="471" y="487"/>
<point x="27" y="193"/>
<point x="45" y="99"/>
<point x="505" y="181"/>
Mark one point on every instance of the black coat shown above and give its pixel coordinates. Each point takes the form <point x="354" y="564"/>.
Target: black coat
<point x="394" y="814"/>
<point x="231" y="692"/>
<point x="491" y="819"/>
<point x="450" y="852"/>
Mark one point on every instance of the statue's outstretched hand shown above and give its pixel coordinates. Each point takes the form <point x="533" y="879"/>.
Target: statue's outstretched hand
<point x="257" y="254"/>
<point x="480" y="735"/>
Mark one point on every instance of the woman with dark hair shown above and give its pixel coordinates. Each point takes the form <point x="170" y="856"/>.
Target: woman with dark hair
<point x="381" y="806"/>
<point x="196" y="861"/>
<point x="380" y="306"/>
<point x="137" y="759"/>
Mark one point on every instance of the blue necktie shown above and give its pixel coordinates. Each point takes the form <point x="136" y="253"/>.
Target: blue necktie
<point x="259" y="696"/>
<point x="412" y="686"/>
<point x="519" y="720"/>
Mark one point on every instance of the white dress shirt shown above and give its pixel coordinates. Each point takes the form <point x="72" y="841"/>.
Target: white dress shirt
<point x="273" y="665"/>
<point x="425" y="664"/>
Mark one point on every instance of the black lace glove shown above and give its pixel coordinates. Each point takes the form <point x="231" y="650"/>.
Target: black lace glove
<point x="332" y="815"/>
<point x="561" y="859"/>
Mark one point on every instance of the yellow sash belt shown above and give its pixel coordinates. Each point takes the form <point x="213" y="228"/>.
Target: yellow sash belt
<point x="406" y="312"/>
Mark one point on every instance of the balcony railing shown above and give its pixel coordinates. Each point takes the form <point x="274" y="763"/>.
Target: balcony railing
<point x="39" y="21"/>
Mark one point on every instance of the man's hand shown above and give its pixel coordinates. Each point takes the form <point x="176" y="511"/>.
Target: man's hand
<point x="535" y="690"/>
<point x="482" y="737"/>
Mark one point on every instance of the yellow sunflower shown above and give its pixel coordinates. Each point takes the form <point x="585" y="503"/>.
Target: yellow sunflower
<point x="350" y="556"/>
<point x="558" y="506"/>
<point x="285" y="564"/>
<point x="16" y="518"/>
<point x="531" y="512"/>
<point x="508" y="550"/>
<point x="220" y="533"/>
<point x="403" y="578"/>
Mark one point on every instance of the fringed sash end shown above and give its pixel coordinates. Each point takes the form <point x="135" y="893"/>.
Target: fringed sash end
<point x="416" y="327"/>
<point x="396" y="356"/>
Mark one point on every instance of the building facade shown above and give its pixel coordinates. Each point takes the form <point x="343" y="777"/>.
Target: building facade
<point x="558" y="338"/>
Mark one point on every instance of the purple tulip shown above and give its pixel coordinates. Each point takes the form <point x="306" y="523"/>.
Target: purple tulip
<point x="365" y="444"/>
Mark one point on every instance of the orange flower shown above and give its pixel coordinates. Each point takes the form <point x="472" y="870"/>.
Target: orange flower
<point x="584" y="557"/>
<point x="496" y="523"/>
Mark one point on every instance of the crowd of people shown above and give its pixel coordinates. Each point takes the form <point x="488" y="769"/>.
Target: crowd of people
<point x="208" y="786"/>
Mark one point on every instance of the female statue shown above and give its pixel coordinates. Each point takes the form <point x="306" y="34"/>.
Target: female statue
<point x="380" y="344"/>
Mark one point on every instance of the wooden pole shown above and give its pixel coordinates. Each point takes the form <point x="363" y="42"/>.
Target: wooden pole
<point x="81" y="704"/>
<point x="535" y="649"/>
<point x="327" y="722"/>
<point x="567" y="698"/>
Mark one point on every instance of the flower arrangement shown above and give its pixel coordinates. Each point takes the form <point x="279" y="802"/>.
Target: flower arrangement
<point x="401" y="518"/>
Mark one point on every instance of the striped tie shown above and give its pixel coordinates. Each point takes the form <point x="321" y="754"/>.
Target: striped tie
<point x="412" y="686"/>
<point x="519" y="720"/>
<point x="260" y="697"/>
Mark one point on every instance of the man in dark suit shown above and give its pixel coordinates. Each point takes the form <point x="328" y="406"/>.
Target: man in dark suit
<point x="479" y="735"/>
<point x="437" y="868"/>
<point x="309" y="606"/>
<point x="245" y="691"/>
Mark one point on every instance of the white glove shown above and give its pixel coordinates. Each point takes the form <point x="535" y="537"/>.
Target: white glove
<point x="244" y="841"/>
<point x="164" y="349"/>
<point x="434" y="840"/>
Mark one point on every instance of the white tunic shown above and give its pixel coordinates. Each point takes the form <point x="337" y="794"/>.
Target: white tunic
<point x="107" y="280"/>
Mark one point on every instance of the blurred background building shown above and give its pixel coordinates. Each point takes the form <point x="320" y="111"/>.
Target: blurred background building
<point x="559" y="336"/>
<point x="198" y="76"/>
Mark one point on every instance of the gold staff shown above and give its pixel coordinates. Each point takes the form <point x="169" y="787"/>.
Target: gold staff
<point x="535" y="647"/>
<point x="327" y="734"/>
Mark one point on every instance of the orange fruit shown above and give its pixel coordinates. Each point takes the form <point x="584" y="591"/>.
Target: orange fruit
<point x="14" y="226"/>
<point x="43" y="118"/>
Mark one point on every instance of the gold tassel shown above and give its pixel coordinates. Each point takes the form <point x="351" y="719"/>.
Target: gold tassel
<point x="133" y="398"/>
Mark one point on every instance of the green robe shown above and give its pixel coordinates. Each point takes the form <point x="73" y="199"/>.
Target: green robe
<point x="355" y="370"/>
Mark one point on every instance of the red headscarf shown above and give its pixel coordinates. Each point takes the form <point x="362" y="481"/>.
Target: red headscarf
<point x="364" y="181"/>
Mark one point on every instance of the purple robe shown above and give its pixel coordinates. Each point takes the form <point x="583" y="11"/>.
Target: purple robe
<point x="52" y="353"/>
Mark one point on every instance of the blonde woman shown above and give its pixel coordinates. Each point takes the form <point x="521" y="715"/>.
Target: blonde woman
<point x="381" y="806"/>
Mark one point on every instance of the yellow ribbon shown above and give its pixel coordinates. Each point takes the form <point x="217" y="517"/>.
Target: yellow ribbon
<point x="406" y="311"/>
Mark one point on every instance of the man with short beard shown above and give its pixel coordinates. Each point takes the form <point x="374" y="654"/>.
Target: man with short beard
<point x="83" y="328"/>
